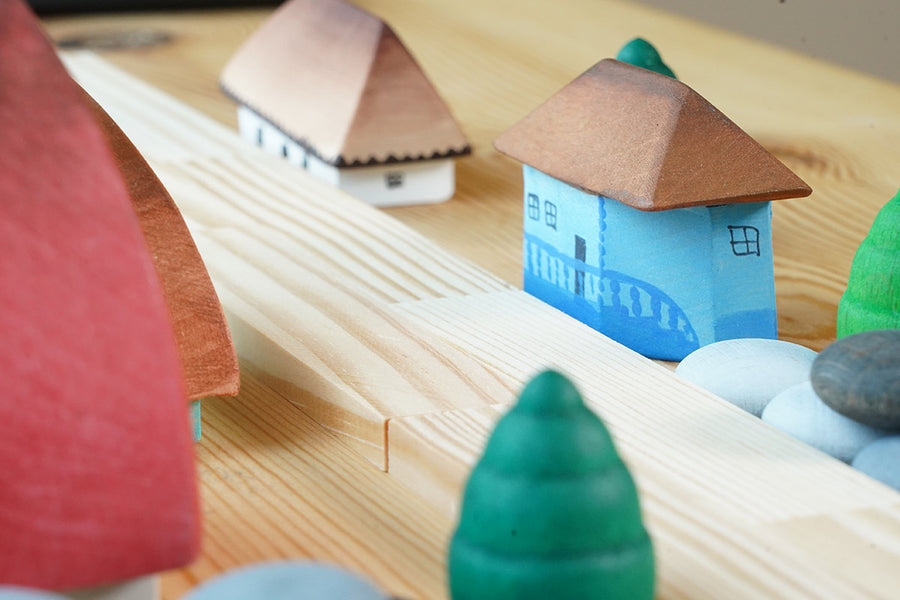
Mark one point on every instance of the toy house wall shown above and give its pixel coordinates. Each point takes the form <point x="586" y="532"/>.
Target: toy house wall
<point x="627" y="273"/>
<point x="662" y="283"/>
<point x="420" y="182"/>
<point x="264" y="134"/>
<point x="417" y="182"/>
<point x="555" y="270"/>
<point x="743" y="274"/>
<point x="665" y="256"/>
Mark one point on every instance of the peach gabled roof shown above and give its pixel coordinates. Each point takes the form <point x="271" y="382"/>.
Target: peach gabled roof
<point x="648" y="141"/>
<point x="339" y="81"/>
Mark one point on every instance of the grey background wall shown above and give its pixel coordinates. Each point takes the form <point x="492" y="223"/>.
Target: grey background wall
<point x="861" y="34"/>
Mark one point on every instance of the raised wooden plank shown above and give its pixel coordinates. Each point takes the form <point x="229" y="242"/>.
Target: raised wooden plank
<point x="705" y="549"/>
<point x="658" y="418"/>
<point x="304" y="271"/>
<point x="732" y="504"/>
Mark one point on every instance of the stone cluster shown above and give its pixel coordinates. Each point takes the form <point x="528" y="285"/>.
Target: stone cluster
<point x="844" y="401"/>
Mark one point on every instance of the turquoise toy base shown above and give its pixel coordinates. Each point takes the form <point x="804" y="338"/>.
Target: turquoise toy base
<point x="196" y="426"/>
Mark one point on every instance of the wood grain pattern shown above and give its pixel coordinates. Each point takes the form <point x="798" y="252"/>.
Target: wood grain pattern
<point x="835" y="128"/>
<point x="685" y="448"/>
<point x="304" y="274"/>
<point x="700" y="555"/>
<point x="278" y="485"/>
<point x="655" y="416"/>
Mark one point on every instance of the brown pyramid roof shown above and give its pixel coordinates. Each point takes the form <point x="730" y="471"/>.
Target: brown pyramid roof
<point x="340" y="82"/>
<point x="648" y="141"/>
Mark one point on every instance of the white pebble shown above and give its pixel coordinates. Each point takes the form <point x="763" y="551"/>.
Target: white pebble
<point x="798" y="412"/>
<point x="881" y="460"/>
<point x="748" y="372"/>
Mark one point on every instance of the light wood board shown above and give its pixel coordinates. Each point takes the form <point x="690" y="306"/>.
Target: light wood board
<point x="397" y="346"/>
<point x="727" y="498"/>
<point x="305" y="273"/>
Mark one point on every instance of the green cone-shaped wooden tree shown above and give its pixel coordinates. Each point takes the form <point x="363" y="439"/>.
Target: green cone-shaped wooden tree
<point x="641" y="53"/>
<point x="550" y="510"/>
<point x="872" y="299"/>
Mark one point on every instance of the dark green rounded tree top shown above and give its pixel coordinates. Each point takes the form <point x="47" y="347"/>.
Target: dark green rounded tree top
<point x="550" y="510"/>
<point x="872" y="298"/>
<point x="641" y="53"/>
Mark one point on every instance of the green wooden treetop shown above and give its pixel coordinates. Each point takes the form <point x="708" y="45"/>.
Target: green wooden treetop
<point x="550" y="510"/>
<point x="641" y="53"/>
<point x="872" y="299"/>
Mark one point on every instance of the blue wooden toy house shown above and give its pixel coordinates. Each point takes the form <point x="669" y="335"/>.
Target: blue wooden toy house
<point x="647" y="212"/>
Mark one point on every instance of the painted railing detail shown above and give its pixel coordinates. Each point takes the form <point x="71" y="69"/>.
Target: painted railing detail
<point x="611" y="293"/>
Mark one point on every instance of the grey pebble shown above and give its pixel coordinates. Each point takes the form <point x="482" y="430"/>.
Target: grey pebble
<point x="859" y="376"/>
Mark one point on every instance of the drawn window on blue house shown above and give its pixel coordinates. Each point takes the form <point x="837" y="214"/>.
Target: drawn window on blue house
<point x="259" y="136"/>
<point x="550" y="214"/>
<point x="393" y="179"/>
<point x="580" y="254"/>
<point x="284" y="150"/>
<point x="534" y="207"/>
<point x="744" y="240"/>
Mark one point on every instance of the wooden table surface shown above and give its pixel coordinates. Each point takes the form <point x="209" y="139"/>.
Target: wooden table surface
<point x="277" y="484"/>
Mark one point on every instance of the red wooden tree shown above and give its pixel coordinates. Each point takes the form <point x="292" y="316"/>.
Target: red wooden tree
<point x="97" y="482"/>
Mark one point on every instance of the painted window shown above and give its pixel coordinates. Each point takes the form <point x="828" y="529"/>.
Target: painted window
<point x="550" y="214"/>
<point x="284" y="150"/>
<point x="393" y="179"/>
<point x="744" y="240"/>
<point x="259" y="136"/>
<point x="534" y="207"/>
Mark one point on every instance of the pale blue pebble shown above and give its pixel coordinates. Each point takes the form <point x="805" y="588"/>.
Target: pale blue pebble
<point x="798" y="412"/>
<point x="287" y="580"/>
<point x="881" y="460"/>
<point x="748" y="372"/>
<point x="21" y="593"/>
